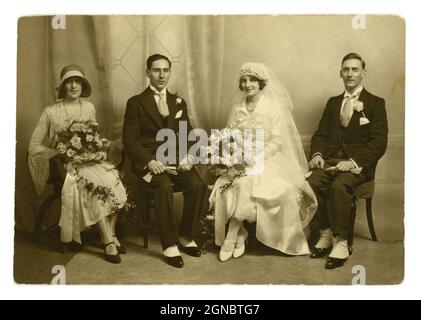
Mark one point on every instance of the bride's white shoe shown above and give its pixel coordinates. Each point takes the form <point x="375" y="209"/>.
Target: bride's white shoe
<point x="227" y="250"/>
<point x="240" y="246"/>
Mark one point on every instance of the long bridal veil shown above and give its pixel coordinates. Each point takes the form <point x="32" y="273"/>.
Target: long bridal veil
<point x="292" y="149"/>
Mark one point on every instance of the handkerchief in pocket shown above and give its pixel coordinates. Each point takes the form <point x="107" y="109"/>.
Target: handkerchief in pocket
<point x="179" y="114"/>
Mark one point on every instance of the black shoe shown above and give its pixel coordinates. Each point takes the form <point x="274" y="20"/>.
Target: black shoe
<point x="112" y="258"/>
<point x="191" y="251"/>
<point x="67" y="247"/>
<point x="318" y="253"/>
<point x="176" y="261"/>
<point x="120" y="248"/>
<point x="333" y="263"/>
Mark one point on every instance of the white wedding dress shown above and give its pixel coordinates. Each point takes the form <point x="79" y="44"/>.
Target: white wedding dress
<point x="279" y="200"/>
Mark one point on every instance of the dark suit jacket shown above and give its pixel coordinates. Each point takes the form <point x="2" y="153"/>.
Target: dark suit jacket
<point x="365" y="144"/>
<point x="142" y="122"/>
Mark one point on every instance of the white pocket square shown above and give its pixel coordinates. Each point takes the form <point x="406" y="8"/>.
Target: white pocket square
<point x="179" y="114"/>
<point x="364" y="121"/>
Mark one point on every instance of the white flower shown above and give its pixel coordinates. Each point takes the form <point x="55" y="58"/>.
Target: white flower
<point x="77" y="127"/>
<point x="178" y="100"/>
<point x="210" y="217"/>
<point x="61" y="148"/>
<point x="98" y="156"/>
<point x="76" y="143"/>
<point x="89" y="138"/>
<point x="77" y="159"/>
<point x="358" y="106"/>
<point x="98" y="143"/>
<point x="71" y="153"/>
<point x="105" y="142"/>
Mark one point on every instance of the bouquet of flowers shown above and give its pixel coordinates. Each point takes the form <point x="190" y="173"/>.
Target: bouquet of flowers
<point x="228" y="157"/>
<point x="81" y="143"/>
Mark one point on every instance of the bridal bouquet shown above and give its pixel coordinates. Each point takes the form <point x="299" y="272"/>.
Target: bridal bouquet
<point x="81" y="143"/>
<point x="227" y="157"/>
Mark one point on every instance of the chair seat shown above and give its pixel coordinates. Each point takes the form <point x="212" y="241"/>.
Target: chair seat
<point x="365" y="190"/>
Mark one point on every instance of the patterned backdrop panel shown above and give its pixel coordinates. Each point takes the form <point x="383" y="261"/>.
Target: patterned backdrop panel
<point x="133" y="39"/>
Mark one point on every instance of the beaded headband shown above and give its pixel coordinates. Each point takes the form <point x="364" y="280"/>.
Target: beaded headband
<point x="252" y="69"/>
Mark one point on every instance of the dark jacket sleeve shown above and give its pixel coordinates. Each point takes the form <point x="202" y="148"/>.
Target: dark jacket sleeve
<point x="376" y="146"/>
<point x="319" y="139"/>
<point x="131" y="137"/>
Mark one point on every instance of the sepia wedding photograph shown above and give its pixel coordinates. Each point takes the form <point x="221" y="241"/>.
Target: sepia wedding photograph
<point x="210" y="150"/>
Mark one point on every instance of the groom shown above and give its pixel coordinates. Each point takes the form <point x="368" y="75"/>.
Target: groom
<point x="345" y="149"/>
<point x="146" y="114"/>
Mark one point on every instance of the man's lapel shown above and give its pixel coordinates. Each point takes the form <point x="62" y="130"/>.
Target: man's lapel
<point x="337" y="111"/>
<point x="355" y="120"/>
<point x="364" y="97"/>
<point x="151" y="107"/>
<point x="171" y="101"/>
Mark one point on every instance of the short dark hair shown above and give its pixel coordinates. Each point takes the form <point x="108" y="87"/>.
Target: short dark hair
<point x="156" y="57"/>
<point x="262" y="83"/>
<point x="354" y="55"/>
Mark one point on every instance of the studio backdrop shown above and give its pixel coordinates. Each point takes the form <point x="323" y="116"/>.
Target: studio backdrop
<point x="207" y="52"/>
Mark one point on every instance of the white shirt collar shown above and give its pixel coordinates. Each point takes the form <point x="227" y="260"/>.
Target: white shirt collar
<point x="155" y="91"/>
<point x="356" y="93"/>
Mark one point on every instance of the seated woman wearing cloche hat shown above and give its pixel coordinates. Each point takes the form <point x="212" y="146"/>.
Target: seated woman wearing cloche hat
<point x="80" y="207"/>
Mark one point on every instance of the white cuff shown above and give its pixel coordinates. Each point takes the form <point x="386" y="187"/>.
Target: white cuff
<point x="357" y="169"/>
<point x="355" y="164"/>
<point x="317" y="154"/>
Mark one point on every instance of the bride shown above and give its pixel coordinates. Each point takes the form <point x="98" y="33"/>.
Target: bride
<point x="279" y="199"/>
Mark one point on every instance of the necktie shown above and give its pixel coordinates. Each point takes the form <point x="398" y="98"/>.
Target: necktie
<point x="162" y="105"/>
<point x="346" y="112"/>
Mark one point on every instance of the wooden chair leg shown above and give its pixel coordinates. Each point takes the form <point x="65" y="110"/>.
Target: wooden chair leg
<point x="352" y="225"/>
<point x="368" y="206"/>
<point x="41" y="212"/>
<point x="146" y="220"/>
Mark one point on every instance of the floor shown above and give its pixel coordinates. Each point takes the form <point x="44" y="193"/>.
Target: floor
<point x="383" y="261"/>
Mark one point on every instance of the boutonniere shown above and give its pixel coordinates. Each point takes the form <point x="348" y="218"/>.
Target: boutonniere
<point x="178" y="102"/>
<point x="359" y="107"/>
